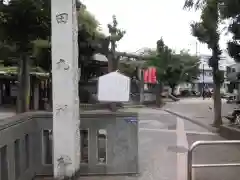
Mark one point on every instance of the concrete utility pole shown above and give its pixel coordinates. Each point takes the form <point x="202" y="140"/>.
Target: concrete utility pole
<point x="65" y="77"/>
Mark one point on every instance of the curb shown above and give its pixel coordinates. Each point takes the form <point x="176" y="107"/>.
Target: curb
<point x="134" y="106"/>
<point x="229" y="132"/>
<point x="209" y="128"/>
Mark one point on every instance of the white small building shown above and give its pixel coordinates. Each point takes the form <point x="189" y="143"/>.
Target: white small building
<point x="205" y="78"/>
<point x="232" y="75"/>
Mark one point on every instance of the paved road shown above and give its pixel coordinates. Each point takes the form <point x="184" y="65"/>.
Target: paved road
<point x="199" y="107"/>
<point x="199" y="110"/>
<point x="164" y="139"/>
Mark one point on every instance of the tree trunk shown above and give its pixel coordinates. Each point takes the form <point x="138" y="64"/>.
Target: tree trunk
<point x="112" y="66"/>
<point x="23" y="98"/>
<point x="217" y="99"/>
<point x="158" y="90"/>
<point x="19" y="101"/>
<point x="141" y="86"/>
<point x="110" y="63"/>
<point x="172" y="86"/>
<point x="215" y="62"/>
<point x="50" y="91"/>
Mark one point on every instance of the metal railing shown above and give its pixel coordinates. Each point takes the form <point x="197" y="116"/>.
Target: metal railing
<point x="201" y="143"/>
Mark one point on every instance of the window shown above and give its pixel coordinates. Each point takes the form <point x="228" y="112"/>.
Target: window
<point x="228" y="69"/>
<point x="102" y="146"/>
<point x="4" y="163"/>
<point x="27" y="151"/>
<point x="84" y="145"/>
<point x="17" y="158"/>
<point x="208" y="73"/>
<point x="47" y="147"/>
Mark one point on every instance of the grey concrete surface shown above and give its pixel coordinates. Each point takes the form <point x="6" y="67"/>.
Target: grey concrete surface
<point x="159" y="148"/>
<point x="156" y="160"/>
<point x="163" y="143"/>
<point x="6" y="112"/>
<point x="198" y="110"/>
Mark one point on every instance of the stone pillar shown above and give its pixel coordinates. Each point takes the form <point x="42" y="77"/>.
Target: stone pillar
<point x="66" y="122"/>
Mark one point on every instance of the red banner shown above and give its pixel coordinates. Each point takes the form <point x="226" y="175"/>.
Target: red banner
<point x="150" y="75"/>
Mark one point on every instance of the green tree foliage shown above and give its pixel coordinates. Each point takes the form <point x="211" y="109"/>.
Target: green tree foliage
<point x="172" y="68"/>
<point x="8" y="53"/>
<point x="89" y="36"/>
<point x="25" y="29"/>
<point x="231" y="10"/>
<point x="42" y="54"/>
<point x="206" y="30"/>
<point x="128" y="69"/>
<point x="116" y="34"/>
<point x="89" y="22"/>
<point x="22" y="22"/>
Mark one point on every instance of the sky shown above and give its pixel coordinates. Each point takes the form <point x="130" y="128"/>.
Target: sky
<point x="147" y="21"/>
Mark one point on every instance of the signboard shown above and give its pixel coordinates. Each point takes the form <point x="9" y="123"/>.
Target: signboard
<point x="113" y="87"/>
<point x="131" y="120"/>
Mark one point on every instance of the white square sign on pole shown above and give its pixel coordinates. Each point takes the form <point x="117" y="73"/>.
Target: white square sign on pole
<point x="113" y="87"/>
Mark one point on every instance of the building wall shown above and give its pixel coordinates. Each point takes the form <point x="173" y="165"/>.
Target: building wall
<point x="205" y="76"/>
<point x="232" y="72"/>
<point x="233" y="80"/>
